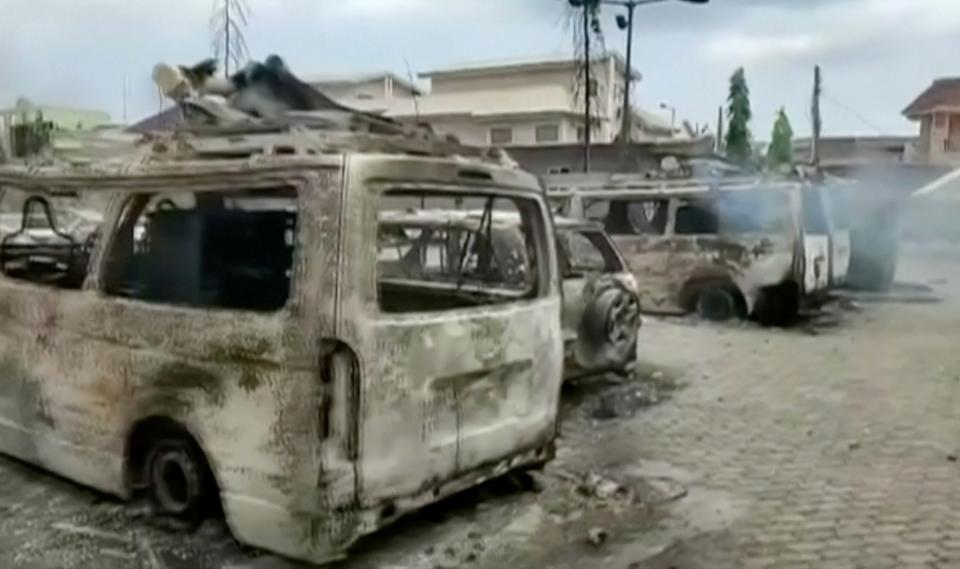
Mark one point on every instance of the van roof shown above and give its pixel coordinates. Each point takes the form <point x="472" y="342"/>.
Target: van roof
<point x="669" y="188"/>
<point x="436" y="217"/>
<point x="212" y="151"/>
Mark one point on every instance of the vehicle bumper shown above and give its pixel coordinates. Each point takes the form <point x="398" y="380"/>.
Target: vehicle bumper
<point x="322" y="537"/>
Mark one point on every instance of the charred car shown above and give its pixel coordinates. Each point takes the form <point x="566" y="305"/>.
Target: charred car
<point x="601" y="302"/>
<point x="237" y="335"/>
<point x="466" y="249"/>
<point x="720" y="250"/>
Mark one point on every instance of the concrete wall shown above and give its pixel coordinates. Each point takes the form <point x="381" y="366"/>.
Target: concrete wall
<point x="939" y="147"/>
<point x="465" y="129"/>
<point x="527" y="93"/>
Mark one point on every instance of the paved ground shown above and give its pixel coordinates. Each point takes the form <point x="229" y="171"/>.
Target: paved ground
<point x="830" y="445"/>
<point x="838" y="448"/>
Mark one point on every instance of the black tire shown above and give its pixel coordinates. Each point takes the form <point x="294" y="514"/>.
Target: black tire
<point x="179" y="480"/>
<point x="716" y="304"/>
<point x="609" y="327"/>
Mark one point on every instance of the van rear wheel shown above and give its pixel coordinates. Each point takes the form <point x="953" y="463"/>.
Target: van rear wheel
<point x="179" y="480"/>
<point x="716" y="304"/>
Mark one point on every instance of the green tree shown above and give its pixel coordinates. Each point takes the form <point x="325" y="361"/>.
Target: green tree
<point x="780" y="152"/>
<point x="738" y="116"/>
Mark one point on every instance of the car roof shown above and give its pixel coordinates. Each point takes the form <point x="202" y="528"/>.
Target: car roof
<point x="222" y="152"/>
<point x="471" y="218"/>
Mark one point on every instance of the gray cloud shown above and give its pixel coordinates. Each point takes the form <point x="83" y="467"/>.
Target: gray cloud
<point x="70" y="52"/>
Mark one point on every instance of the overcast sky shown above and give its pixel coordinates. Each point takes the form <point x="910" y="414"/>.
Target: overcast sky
<point x="876" y="54"/>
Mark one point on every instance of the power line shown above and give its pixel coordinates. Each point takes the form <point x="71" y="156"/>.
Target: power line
<point x="853" y="113"/>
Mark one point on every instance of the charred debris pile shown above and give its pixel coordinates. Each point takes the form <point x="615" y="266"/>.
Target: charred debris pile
<point x="262" y="109"/>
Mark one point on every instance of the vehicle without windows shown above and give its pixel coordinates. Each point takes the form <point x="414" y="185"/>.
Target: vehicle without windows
<point x="721" y="250"/>
<point x="431" y="257"/>
<point x="242" y="329"/>
<point x="601" y="303"/>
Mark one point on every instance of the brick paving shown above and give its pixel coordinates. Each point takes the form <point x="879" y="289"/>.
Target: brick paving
<point x="795" y="450"/>
<point x="840" y="446"/>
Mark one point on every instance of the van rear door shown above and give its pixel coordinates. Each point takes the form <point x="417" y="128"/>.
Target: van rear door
<point x="460" y="350"/>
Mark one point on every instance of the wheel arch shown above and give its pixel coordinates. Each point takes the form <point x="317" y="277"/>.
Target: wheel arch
<point x="136" y="449"/>
<point x="691" y="289"/>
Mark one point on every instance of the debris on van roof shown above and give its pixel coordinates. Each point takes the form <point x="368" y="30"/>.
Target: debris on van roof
<point x="262" y="110"/>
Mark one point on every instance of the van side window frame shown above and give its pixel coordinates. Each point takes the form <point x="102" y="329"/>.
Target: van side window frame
<point x="545" y="280"/>
<point x="126" y="196"/>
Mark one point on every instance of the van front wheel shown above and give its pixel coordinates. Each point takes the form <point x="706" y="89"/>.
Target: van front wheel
<point x="179" y="480"/>
<point x="716" y="304"/>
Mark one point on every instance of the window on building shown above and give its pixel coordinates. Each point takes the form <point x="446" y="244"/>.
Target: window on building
<point x="206" y="249"/>
<point x="501" y="135"/>
<point x="582" y="132"/>
<point x="547" y="133"/>
<point x="437" y="257"/>
<point x="48" y="237"/>
<point x="594" y="87"/>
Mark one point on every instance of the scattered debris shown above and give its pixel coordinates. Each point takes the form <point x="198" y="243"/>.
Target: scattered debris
<point x="598" y="487"/>
<point x="853" y="445"/>
<point x="91" y="532"/>
<point x="952" y="457"/>
<point x="597" y="536"/>
<point x="116" y="554"/>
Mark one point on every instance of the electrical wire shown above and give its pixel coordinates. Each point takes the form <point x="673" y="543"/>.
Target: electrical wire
<point x="852" y="112"/>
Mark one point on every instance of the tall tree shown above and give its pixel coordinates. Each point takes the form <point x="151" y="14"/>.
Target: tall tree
<point x="738" y="116"/>
<point x="227" y="26"/>
<point x="780" y="152"/>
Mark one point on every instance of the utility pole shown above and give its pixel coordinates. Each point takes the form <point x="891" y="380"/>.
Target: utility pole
<point x="815" y="115"/>
<point x="719" y="144"/>
<point x="627" y="128"/>
<point x="226" y="42"/>
<point x="587" y="115"/>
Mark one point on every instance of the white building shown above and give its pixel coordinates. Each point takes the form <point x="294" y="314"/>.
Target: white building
<point x="62" y="118"/>
<point x="506" y="103"/>
<point x="374" y="92"/>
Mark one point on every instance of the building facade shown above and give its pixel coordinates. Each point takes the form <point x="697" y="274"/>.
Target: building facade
<point x="506" y="103"/>
<point x="61" y="118"/>
<point x="937" y="110"/>
<point x="375" y="92"/>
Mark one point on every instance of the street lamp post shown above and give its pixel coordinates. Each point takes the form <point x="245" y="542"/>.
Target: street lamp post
<point x="673" y="115"/>
<point x="626" y="24"/>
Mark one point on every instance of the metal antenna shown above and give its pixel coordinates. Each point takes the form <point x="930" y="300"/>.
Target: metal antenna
<point x="413" y="90"/>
